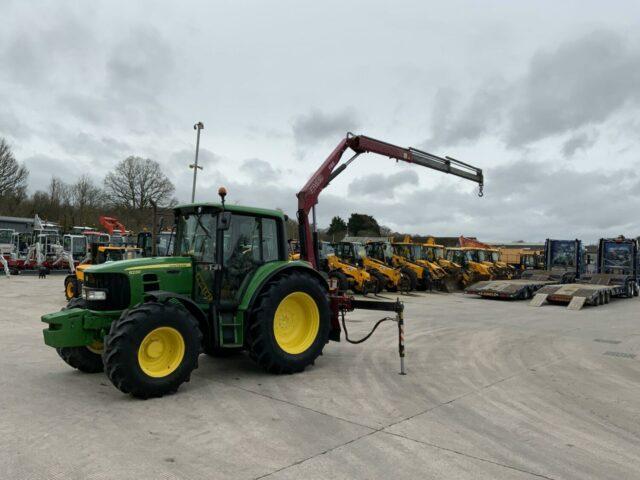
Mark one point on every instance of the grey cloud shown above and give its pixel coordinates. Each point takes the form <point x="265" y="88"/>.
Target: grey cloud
<point x="579" y="141"/>
<point x="206" y="158"/>
<point x="454" y="124"/>
<point x="580" y="83"/>
<point x="260" y="170"/>
<point x="315" y="126"/>
<point x="43" y="167"/>
<point x="140" y="66"/>
<point x="84" y="143"/>
<point x="379" y="185"/>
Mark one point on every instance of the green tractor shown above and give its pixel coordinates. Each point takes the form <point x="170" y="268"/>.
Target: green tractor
<point x="228" y="286"/>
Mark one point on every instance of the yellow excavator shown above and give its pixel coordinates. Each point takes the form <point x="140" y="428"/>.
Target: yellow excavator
<point x="454" y="272"/>
<point x="393" y="279"/>
<point x="473" y="268"/>
<point x="348" y="269"/>
<point x="415" y="256"/>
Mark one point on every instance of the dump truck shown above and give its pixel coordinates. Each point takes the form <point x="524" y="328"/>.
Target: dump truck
<point x="616" y="277"/>
<point x="228" y="286"/>
<point x="564" y="260"/>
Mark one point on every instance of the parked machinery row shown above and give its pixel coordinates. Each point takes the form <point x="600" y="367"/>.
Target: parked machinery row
<point x="564" y="280"/>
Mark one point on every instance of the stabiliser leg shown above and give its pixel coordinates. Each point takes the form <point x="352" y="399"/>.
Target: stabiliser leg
<point x="397" y="307"/>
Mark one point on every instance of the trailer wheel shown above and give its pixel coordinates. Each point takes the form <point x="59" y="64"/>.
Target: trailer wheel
<point x="635" y="289"/>
<point x="290" y="323"/>
<point x="152" y="349"/>
<point x="630" y="290"/>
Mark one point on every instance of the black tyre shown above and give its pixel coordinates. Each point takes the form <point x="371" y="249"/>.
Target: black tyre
<point x="290" y="323"/>
<point x="71" y="287"/>
<point x="152" y="349"/>
<point x="636" y="290"/>
<point x="411" y="275"/>
<point x="86" y="359"/>
<point x="343" y="280"/>
<point x="380" y="281"/>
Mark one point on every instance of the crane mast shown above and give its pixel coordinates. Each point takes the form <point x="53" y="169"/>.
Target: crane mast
<point x="359" y="144"/>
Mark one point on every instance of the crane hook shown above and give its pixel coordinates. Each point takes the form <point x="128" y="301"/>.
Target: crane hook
<point x="480" y="190"/>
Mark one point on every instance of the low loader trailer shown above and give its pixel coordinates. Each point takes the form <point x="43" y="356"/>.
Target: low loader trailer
<point x="563" y="259"/>
<point x="616" y="277"/>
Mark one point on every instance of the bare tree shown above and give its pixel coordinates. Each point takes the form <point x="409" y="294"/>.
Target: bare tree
<point x="136" y="181"/>
<point x="13" y="176"/>
<point x="85" y="194"/>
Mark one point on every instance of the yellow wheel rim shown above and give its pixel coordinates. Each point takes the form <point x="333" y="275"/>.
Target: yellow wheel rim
<point x="69" y="291"/>
<point x="296" y="323"/>
<point x="96" y="347"/>
<point x="161" y="352"/>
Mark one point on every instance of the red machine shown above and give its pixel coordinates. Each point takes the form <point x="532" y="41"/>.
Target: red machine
<point x="112" y="224"/>
<point x="472" y="243"/>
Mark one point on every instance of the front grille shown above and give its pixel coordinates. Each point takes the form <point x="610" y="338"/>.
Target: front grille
<point x="117" y="287"/>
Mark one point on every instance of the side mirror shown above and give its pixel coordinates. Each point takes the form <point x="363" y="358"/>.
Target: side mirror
<point x="224" y="220"/>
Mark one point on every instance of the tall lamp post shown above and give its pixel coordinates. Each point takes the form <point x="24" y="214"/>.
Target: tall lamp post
<point x="198" y="126"/>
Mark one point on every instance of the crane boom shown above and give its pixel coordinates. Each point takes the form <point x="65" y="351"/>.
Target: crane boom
<point x="308" y="196"/>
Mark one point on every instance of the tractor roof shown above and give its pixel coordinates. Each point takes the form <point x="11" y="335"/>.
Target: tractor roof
<point x="234" y="209"/>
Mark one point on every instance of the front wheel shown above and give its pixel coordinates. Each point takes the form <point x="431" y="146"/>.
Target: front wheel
<point x="152" y="349"/>
<point x="87" y="359"/>
<point x="289" y="324"/>
<point x="71" y="287"/>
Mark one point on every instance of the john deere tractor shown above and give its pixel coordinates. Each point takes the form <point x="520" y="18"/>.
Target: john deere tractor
<point x="228" y="286"/>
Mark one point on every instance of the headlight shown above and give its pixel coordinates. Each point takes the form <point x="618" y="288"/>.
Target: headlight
<point x="89" y="294"/>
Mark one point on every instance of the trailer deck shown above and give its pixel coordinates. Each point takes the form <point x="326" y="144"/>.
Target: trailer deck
<point x="519" y="289"/>
<point x="593" y="290"/>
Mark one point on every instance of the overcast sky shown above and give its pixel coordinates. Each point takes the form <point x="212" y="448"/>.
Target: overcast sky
<point x="544" y="96"/>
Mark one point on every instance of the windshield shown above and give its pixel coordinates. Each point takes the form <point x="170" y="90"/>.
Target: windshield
<point x="166" y="244"/>
<point x="429" y="253"/>
<point x="360" y="251"/>
<point x="495" y="257"/>
<point x="618" y="258"/>
<point x="472" y="256"/>
<point x="563" y="253"/>
<point x="402" y="250"/>
<point x="196" y="236"/>
<point x="456" y="256"/>
<point x="5" y="236"/>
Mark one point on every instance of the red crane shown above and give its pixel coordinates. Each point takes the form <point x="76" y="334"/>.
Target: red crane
<point x="308" y="196"/>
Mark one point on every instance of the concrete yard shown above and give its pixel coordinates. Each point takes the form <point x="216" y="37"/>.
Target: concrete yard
<point x="495" y="390"/>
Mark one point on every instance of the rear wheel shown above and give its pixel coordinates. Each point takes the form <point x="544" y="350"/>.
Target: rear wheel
<point x="343" y="281"/>
<point x="380" y="281"/>
<point x="152" y="349"/>
<point x="290" y="324"/>
<point x="411" y="275"/>
<point x="87" y="359"/>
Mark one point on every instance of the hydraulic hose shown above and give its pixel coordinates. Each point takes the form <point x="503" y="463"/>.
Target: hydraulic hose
<point x="366" y="337"/>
